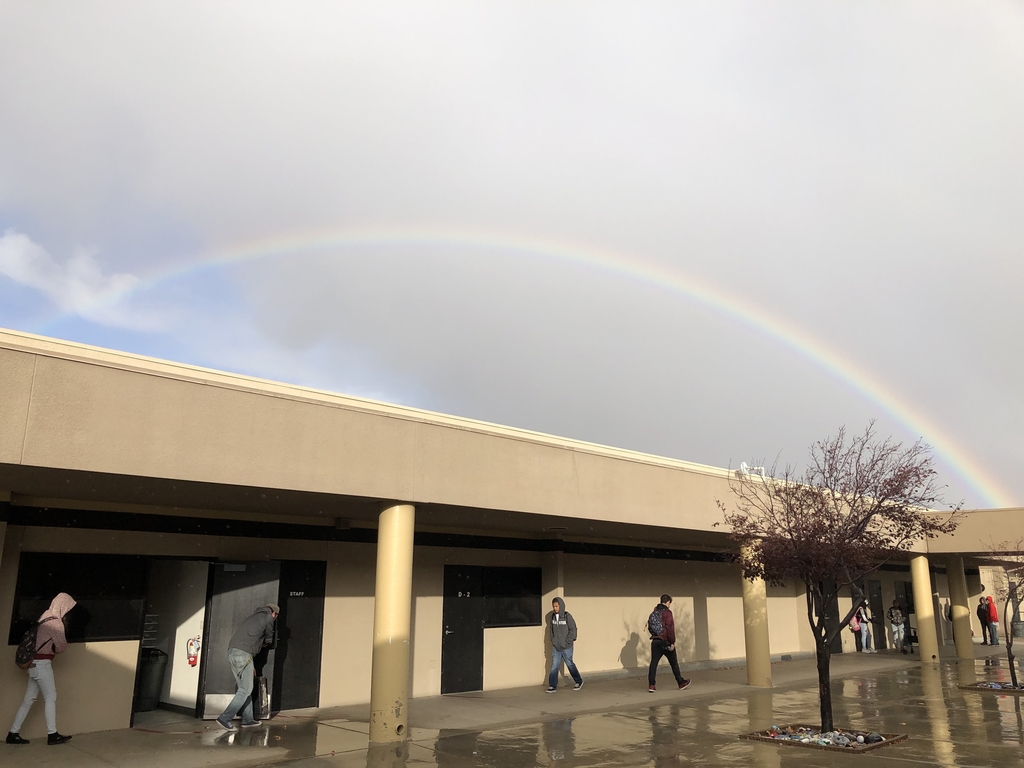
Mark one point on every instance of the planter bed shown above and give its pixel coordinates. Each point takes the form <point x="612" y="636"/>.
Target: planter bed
<point x="994" y="688"/>
<point x="839" y="740"/>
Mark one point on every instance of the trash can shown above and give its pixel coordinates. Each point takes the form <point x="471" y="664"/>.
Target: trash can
<point x="151" y="679"/>
<point x="1018" y="629"/>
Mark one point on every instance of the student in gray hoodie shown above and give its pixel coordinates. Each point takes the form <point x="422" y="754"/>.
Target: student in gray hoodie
<point x="563" y="634"/>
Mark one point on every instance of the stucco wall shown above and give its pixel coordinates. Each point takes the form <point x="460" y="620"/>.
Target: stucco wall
<point x="72" y="407"/>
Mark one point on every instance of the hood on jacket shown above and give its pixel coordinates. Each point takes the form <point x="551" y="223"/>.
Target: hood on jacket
<point x="989" y="599"/>
<point x="59" y="607"/>
<point x="561" y="604"/>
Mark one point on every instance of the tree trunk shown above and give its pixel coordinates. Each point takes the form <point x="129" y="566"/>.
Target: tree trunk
<point x="824" y="655"/>
<point x="1008" y="633"/>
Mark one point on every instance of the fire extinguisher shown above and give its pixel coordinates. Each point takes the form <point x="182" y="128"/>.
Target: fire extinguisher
<point x="192" y="649"/>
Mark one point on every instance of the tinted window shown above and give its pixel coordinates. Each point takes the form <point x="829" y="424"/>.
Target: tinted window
<point x="110" y="590"/>
<point x="512" y="597"/>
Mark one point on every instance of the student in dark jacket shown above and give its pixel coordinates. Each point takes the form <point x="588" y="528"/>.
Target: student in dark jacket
<point x="983" y="618"/>
<point x="562" y="632"/>
<point x="252" y="635"/>
<point x="664" y="644"/>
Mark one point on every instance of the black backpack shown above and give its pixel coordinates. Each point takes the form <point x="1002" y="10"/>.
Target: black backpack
<point x="27" y="648"/>
<point x="654" y="623"/>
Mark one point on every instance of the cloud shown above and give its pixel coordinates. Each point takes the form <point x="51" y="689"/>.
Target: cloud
<point x="77" y="286"/>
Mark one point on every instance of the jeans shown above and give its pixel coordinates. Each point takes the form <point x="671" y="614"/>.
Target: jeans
<point x="898" y="633"/>
<point x="40" y="678"/>
<point x="557" y="657"/>
<point x="659" y="648"/>
<point x="993" y="632"/>
<point x="865" y="636"/>
<point x="241" y="668"/>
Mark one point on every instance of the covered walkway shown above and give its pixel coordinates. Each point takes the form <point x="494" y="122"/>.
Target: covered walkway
<point x="609" y="722"/>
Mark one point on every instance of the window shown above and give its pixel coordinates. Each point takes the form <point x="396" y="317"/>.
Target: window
<point x="110" y="590"/>
<point x="512" y="597"/>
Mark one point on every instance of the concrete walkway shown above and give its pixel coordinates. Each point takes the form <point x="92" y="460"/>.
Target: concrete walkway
<point x="608" y="722"/>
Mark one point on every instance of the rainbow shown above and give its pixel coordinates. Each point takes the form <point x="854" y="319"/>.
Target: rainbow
<point x="664" y="277"/>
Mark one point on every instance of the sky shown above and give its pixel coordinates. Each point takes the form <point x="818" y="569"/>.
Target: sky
<point x="713" y="231"/>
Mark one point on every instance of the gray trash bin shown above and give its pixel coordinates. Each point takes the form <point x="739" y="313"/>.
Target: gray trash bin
<point x="151" y="679"/>
<point x="1018" y="628"/>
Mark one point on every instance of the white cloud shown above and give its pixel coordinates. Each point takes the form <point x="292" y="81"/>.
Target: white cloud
<point x="77" y="286"/>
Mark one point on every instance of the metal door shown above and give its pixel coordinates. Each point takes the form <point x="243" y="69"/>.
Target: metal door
<point x="235" y="591"/>
<point x="462" y="645"/>
<point x="878" y="633"/>
<point x="299" y="635"/>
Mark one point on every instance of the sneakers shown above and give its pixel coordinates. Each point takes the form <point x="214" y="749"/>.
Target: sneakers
<point x="15" y="738"/>
<point x="550" y="690"/>
<point x="578" y="685"/>
<point x="253" y="724"/>
<point x="684" y="684"/>
<point x="650" y="688"/>
<point x="56" y="738"/>
<point x="226" y="726"/>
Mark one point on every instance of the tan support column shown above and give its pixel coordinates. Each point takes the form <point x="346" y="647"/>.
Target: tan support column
<point x="960" y="606"/>
<point x="5" y="500"/>
<point x="392" y="611"/>
<point x="928" y="643"/>
<point x="755" y="633"/>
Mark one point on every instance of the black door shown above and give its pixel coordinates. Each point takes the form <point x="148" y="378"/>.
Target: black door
<point x="299" y="635"/>
<point x="830" y="613"/>
<point x="877" y="614"/>
<point x="462" y="645"/>
<point x="235" y="591"/>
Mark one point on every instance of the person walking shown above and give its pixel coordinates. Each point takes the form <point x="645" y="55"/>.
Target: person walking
<point x="662" y="627"/>
<point x="865" y="631"/>
<point x="252" y="636"/>
<point x="897" y="621"/>
<point x="993" y="621"/>
<point x="562" y="632"/>
<point x="50" y="640"/>
<point x="983" y="618"/>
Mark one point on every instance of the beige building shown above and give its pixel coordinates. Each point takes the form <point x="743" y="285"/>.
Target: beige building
<point x="412" y="553"/>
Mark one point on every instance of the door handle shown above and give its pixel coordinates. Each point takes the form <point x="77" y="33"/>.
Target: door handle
<point x="449" y="632"/>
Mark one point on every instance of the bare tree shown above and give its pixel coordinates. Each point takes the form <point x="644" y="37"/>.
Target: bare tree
<point x="858" y="502"/>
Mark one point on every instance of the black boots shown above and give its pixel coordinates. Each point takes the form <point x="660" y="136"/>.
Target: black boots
<point x="53" y="738"/>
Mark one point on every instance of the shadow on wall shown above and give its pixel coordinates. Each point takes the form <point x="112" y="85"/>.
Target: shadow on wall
<point x="691" y="634"/>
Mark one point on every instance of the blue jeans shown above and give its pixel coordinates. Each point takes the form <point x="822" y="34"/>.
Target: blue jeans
<point x="557" y="657"/>
<point x="865" y="636"/>
<point x="241" y="668"/>
<point x="993" y="632"/>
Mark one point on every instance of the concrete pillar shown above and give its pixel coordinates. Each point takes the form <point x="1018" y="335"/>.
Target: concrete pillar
<point x="960" y="606"/>
<point x="755" y="633"/>
<point x="928" y="643"/>
<point x="392" y="612"/>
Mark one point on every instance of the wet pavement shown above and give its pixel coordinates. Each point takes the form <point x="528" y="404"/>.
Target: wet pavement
<point x="700" y="726"/>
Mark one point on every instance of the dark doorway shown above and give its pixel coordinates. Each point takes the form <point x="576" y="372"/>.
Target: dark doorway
<point x="462" y="645"/>
<point x="877" y="614"/>
<point x="299" y="635"/>
<point x="830" y="613"/>
<point x="235" y="591"/>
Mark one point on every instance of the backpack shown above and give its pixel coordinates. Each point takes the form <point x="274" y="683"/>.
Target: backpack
<point x="855" y="623"/>
<point x="654" y="623"/>
<point x="27" y="648"/>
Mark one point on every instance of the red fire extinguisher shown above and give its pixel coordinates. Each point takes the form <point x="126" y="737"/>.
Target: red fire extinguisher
<point x="192" y="649"/>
